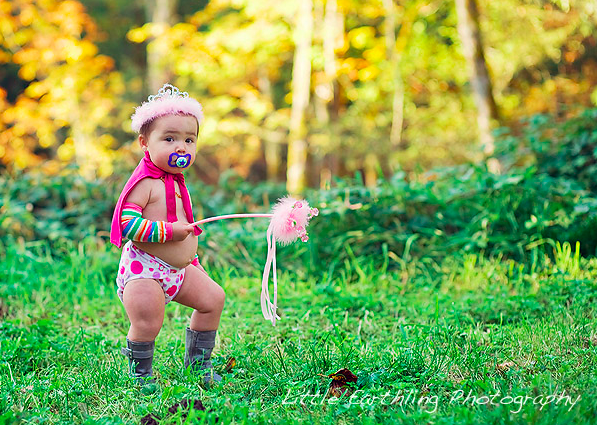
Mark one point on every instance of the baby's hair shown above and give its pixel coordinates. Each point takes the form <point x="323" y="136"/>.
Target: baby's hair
<point x="146" y="127"/>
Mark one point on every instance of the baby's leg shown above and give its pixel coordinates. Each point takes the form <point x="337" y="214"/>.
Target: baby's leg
<point x="143" y="301"/>
<point x="205" y="296"/>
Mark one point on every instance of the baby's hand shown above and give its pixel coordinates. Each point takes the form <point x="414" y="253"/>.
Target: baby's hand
<point x="181" y="231"/>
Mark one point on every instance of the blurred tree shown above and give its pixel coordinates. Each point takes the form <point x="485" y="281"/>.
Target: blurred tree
<point x="541" y="55"/>
<point x="395" y="48"/>
<point x="388" y="83"/>
<point x="472" y="44"/>
<point x="160" y="13"/>
<point x="301" y="83"/>
<point x="236" y="58"/>
<point x="330" y="36"/>
<point x="70" y="91"/>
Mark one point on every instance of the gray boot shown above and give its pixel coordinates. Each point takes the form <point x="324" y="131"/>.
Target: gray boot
<point x="140" y="355"/>
<point x="199" y="345"/>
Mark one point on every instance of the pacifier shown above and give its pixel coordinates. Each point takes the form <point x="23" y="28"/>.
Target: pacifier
<point x="179" y="161"/>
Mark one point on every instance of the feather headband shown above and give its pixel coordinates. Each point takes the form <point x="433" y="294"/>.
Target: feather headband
<point x="168" y="101"/>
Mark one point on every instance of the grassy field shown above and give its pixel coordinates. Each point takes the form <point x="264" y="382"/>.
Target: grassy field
<point x="469" y="340"/>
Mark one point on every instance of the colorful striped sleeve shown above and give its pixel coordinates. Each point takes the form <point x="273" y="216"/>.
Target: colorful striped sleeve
<point x="137" y="228"/>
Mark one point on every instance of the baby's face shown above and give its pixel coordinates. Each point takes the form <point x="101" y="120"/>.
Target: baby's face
<point x="171" y="141"/>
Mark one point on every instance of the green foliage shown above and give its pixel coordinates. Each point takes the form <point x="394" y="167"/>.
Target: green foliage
<point x="35" y="206"/>
<point x="566" y="149"/>
<point x="545" y="198"/>
<point x="463" y="209"/>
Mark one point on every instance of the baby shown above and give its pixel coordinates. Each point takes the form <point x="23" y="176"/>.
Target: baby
<point x="159" y="263"/>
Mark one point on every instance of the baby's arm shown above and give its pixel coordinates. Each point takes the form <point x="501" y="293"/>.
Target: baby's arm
<point x="137" y="228"/>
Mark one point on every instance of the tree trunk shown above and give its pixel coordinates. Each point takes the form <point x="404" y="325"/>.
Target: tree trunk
<point x="161" y="14"/>
<point x="301" y="81"/>
<point x="328" y="89"/>
<point x="470" y="36"/>
<point x="322" y="93"/>
<point x="395" y="58"/>
<point x="271" y="150"/>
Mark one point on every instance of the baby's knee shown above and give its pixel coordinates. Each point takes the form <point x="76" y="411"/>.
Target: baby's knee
<point x="215" y="302"/>
<point x="147" y="326"/>
<point x="220" y="297"/>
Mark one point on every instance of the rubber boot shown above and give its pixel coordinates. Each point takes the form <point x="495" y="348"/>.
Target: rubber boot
<point x="140" y="355"/>
<point x="199" y="345"/>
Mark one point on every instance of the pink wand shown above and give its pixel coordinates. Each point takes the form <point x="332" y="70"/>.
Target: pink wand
<point x="289" y="220"/>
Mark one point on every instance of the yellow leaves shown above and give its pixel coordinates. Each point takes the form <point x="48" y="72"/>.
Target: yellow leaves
<point x="254" y="105"/>
<point x="27" y="15"/>
<point x="368" y="73"/>
<point x="105" y="169"/>
<point x="48" y="55"/>
<point x="66" y="151"/>
<point x="77" y="51"/>
<point x="17" y="143"/>
<point x="362" y="37"/>
<point x="71" y="17"/>
<point x="20" y="161"/>
<point x="22" y="37"/>
<point x="36" y="90"/>
<point x="139" y="35"/>
<point x="25" y="55"/>
<point x="28" y="71"/>
<point x="183" y="29"/>
<point x="107" y="140"/>
<point x="376" y="54"/>
<point x="175" y="34"/>
<point x="351" y="67"/>
<point x="72" y="89"/>
<point x="45" y="135"/>
<point x="288" y="98"/>
<point x="5" y="7"/>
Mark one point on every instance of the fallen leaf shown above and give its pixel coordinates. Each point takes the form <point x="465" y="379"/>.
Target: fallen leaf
<point x="340" y="380"/>
<point x="184" y="404"/>
<point x="150" y="419"/>
<point x="230" y="364"/>
<point x="504" y="367"/>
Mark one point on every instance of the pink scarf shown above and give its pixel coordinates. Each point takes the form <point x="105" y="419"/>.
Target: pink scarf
<point x="147" y="168"/>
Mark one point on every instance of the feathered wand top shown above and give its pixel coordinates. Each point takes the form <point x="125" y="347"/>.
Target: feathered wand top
<point x="289" y="220"/>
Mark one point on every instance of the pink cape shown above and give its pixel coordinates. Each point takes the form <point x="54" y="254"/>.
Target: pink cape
<point x="147" y="168"/>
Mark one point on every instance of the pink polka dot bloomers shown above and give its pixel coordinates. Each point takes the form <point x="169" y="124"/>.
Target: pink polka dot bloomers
<point x="138" y="264"/>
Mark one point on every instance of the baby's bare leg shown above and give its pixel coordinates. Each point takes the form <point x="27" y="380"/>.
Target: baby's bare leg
<point x="143" y="301"/>
<point x="205" y="296"/>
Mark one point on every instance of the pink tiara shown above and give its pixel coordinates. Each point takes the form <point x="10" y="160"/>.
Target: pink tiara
<point x="168" y="101"/>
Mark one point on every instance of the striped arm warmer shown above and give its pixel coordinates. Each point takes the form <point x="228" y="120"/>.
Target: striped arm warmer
<point x="137" y="228"/>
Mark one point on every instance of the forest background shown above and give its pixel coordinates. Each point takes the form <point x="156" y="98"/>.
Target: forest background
<point x="295" y="91"/>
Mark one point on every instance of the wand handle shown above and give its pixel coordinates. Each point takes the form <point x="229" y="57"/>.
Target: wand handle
<point x="223" y="217"/>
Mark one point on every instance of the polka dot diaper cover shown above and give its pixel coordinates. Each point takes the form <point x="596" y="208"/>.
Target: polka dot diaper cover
<point x="138" y="264"/>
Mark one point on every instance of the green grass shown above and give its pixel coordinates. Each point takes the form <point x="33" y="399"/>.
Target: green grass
<point x="414" y="329"/>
